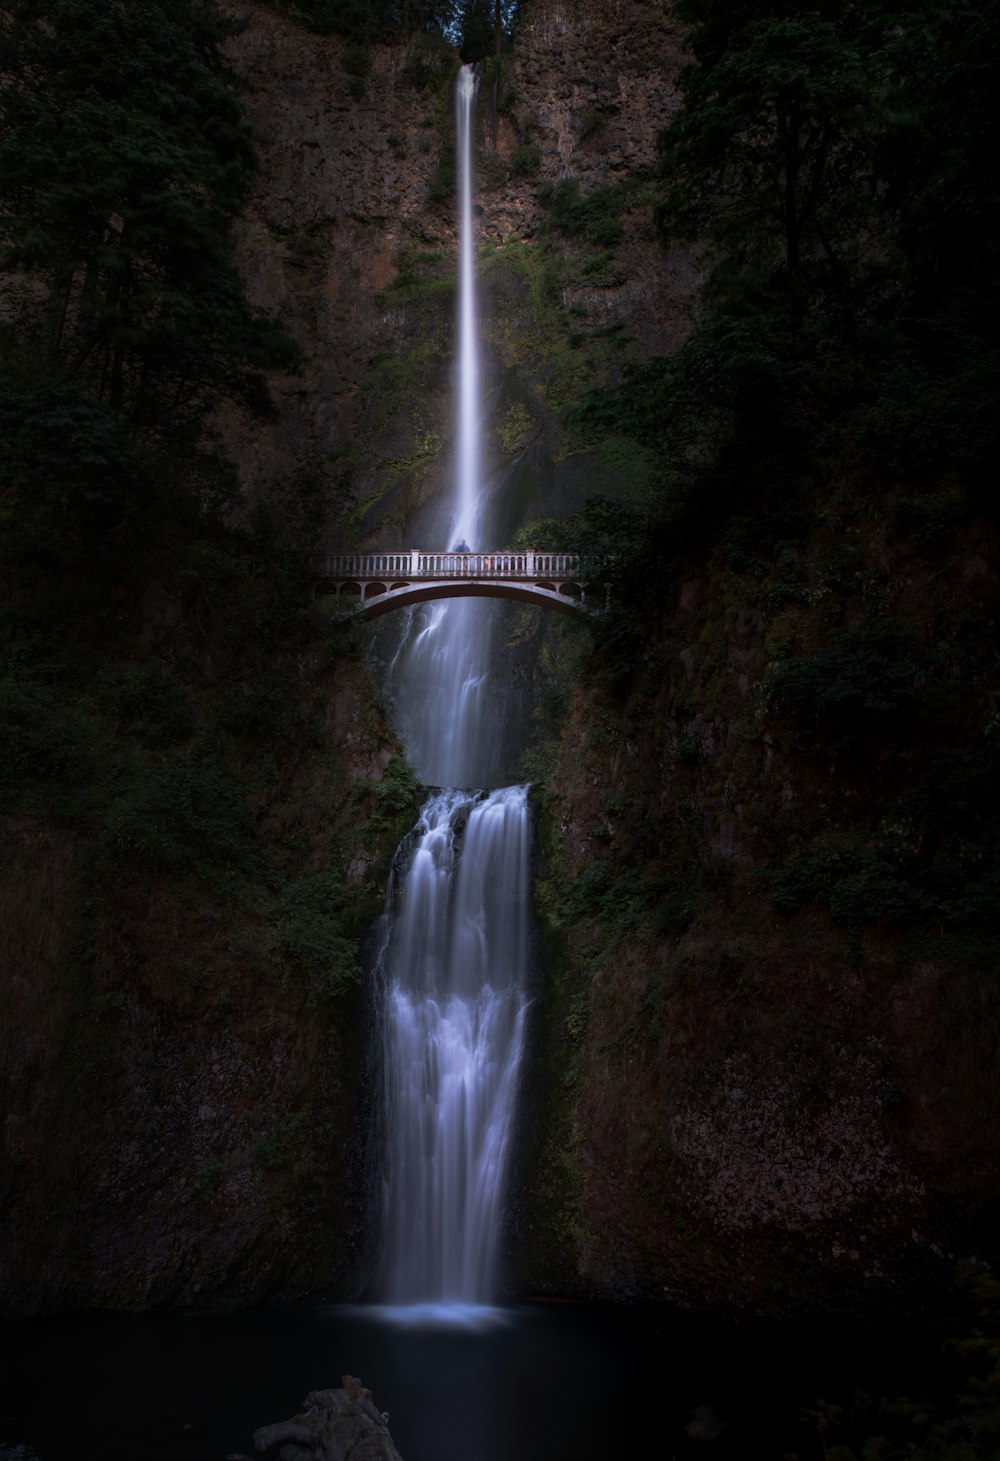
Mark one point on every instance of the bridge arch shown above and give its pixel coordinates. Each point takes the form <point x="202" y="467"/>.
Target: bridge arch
<point x="369" y="585"/>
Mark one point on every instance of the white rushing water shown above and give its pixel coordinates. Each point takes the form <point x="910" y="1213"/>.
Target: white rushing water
<point x="455" y="952"/>
<point x="448" y="705"/>
<point x="454" y="966"/>
<point x="468" y="496"/>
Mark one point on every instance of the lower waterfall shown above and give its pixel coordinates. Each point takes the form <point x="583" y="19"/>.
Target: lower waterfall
<point x="453" y="965"/>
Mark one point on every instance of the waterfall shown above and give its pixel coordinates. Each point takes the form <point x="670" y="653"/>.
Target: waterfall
<point x="455" y="948"/>
<point x="449" y="710"/>
<point x="467" y="523"/>
<point x="454" y="967"/>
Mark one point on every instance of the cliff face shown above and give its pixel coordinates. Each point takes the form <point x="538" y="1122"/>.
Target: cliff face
<point x="184" y="1061"/>
<point x="184" y="1048"/>
<point x="756" y="1093"/>
<point x="344" y="179"/>
<point x="780" y="1093"/>
<point x="351" y="240"/>
<point x="592" y="88"/>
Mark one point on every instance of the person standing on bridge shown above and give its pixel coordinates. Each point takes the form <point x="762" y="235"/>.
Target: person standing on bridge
<point x="461" y="547"/>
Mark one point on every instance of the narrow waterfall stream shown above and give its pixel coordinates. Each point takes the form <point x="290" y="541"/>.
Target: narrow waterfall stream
<point x="455" y="951"/>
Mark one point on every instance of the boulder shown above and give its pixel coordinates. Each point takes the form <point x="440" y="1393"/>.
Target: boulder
<point x="332" y="1425"/>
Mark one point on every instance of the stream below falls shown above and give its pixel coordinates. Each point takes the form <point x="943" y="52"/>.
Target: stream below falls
<point x="548" y="1383"/>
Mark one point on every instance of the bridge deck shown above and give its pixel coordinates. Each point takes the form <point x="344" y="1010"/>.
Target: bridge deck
<point x="375" y="583"/>
<point x="415" y="563"/>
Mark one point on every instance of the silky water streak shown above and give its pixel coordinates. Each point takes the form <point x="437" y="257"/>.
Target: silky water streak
<point x="449" y="708"/>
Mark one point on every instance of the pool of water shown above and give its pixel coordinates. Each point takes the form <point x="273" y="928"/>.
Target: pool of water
<point x="521" y="1384"/>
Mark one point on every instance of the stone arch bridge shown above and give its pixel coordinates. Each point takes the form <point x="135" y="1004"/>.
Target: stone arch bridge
<point x="370" y="584"/>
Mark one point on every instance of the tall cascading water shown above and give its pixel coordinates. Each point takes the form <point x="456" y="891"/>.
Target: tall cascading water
<point x="468" y="484"/>
<point x="455" y="953"/>
<point x="448" y="707"/>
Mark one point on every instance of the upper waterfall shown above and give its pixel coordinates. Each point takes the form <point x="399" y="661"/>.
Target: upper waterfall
<point x="449" y="708"/>
<point x="467" y="456"/>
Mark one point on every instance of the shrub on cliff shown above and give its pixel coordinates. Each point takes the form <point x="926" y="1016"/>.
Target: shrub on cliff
<point x="868" y="680"/>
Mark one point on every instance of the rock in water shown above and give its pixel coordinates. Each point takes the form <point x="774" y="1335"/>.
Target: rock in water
<point x="332" y="1425"/>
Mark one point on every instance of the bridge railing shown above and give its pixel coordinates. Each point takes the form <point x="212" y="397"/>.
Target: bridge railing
<point x="530" y="563"/>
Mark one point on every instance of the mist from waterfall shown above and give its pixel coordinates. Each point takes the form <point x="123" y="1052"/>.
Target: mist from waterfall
<point x="454" y="952"/>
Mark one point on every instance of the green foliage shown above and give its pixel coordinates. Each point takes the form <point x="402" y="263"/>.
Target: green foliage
<point x="623" y="900"/>
<point x="285" y="1145"/>
<point x="179" y="817"/>
<point x="307" y="918"/>
<point x="369" y="20"/>
<point x="767" y="156"/>
<point x="529" y="321"/>
<point x="210" y="1176"/>
<point x="832" y="168"/>
<point x="855" y="883"/>
<point x="526" y="160"/>
<point x="928" y="517"/>
<point x="719" y="428"/>
<point x="923" y="851"/>
<point x="483" y="27"/>
<point x="142" y="701"/>
<point x="931" y="860"/>
<point x="429" y="64"/>
<point x="515" y="427"/>
<point x="622" y="567"/>
<point x="155" y="657"/>
<point x="398" y="791"/>
<point x="595" y="216"/>
<point x="124" y="158"/>
<point x="591" y="123"/>
<point x="956" y="1420"/>
<point x="48" y="743"/>
<point x="70" y="465"/>
<point x="357" y="60"/>
<point x="442" y="183"/>
<point x="869" y="680"/>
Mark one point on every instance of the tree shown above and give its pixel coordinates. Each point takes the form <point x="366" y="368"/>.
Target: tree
<point x="124" y="158"/>
<point x="834" y="166"/>
<point x="365" y="21"/>
<point x="482" y="26"/>
<point x="770" y="160"/>
<point x="834" y="169"/>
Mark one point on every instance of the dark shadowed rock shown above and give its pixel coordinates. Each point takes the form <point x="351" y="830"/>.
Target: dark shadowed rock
<point x="333" y="1425"/>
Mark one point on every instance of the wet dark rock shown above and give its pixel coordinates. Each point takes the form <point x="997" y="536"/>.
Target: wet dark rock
<point x="332" y="1425"/>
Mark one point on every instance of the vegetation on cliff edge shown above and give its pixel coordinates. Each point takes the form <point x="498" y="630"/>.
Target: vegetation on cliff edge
<point x="833" y="168"/>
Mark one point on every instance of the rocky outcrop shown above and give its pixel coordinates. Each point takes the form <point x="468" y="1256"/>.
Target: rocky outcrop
<point x="332" y="1426"/>
<point x="344" y="180"/>
<point x="590" y="88"/>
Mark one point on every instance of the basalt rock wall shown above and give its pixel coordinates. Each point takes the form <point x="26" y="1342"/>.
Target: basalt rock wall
<point x="185" y="1077"/>
<point x="769" y="1046"/>
<point x="350" y="238"/>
